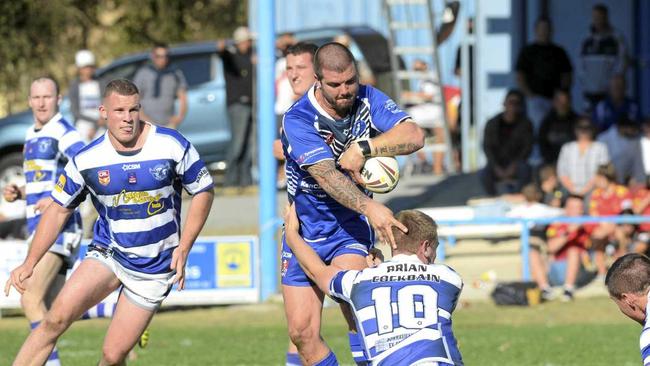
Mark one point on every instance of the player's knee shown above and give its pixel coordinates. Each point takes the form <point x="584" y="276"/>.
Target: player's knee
<point x="32" y="303"/>
<point x="113" y="356"/>
<point x="54" y="323"/>
<point x="302" y="334"/>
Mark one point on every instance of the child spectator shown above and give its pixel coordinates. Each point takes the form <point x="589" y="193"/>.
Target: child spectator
<point x="552" y="192"/>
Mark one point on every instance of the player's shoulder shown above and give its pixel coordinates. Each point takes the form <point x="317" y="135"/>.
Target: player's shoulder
<point x="447" y="274"/>
<point x="301" y="109"/>
<point x="167" y="135"/>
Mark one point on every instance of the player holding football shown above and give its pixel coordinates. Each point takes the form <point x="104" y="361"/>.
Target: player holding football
<point x="327" y="135"/>
<point x="49" y="144"/>
<point x="628" y="283"/>
<point x="134" y="174"/>
<point x="403" y="307"/>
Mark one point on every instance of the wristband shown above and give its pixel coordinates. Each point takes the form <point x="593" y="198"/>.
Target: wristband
<point x="365" y="148"/>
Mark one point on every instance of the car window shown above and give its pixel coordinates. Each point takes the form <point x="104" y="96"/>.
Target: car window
<point x="196" y="68"/>
<point x="121" y="72"/>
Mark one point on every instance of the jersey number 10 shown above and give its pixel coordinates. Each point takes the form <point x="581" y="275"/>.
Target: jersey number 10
<point x="407" y="307"/>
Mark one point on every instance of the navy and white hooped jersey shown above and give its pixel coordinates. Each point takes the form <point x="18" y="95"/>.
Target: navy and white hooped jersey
<point x="311" y="135"/>
<point x="644" y="342"/>
<point x="137" y="195"/>
<point x="403" y="310"/>
<point x="46" y="153"/>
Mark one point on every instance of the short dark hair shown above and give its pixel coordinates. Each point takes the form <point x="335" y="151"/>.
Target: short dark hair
<point x="515" y="92"/>
<point x="122" y="87"/>
<point x="420" y="227"/>
<point x="608" y="171"/>
<point x="332" y="56"/>
<point x="564" y="91"/>
<point x="628" y="274"/>
<point x="584" y="125"/>
<point x="601" y="8"/>
<point x="41" y="79"/>
<point x="160" y="45"/>
<point x="544" y="19"/>
<point x="300" y="48"/>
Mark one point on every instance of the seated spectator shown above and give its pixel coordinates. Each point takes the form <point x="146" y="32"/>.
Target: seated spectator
<point x="566" y="243"/>
<point x="616" y="106"/>
<point x="624" y="148"/>
<point x="645" y="145"/>
<point x="641" y="206"/>
<point x="558" y="127"/>
<point x="579" y="160"/>
<point x="552" y="192"/>
<point x="507" y="143"/>
<point x="630" y="238"/>
<point x="607" y="199"/>
<point x="533" y="209"/>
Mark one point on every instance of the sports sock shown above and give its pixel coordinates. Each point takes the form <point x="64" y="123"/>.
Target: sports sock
<point x="101" y="310"/>
<point x="293" y="359"/>
<point x="358" y="354"/>
<point x="329" y="360"/>
<point x="53" y="360"/>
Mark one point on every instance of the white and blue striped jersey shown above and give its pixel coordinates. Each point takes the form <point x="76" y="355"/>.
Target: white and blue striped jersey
<point x="137" y="195"/>
<point x="644" y="342"/>
<point x="46" y="153"/>
<point x="403" y="310"/>
<point x="311" y="135"/>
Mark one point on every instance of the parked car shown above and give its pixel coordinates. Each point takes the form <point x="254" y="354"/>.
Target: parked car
<point x="206" y="124"/>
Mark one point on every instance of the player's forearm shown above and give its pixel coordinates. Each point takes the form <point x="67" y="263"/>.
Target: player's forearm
<point x="182" y="112"/>
<point x="403" y="139"/>
<point x="49" y="227"/>
<point x="339" y="187"/>
<point x="196" y="216"/>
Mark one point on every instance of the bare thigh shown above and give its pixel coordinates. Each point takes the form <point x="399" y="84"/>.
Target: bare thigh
<point x="128" y="323"/>
<point x="303" y="306"/>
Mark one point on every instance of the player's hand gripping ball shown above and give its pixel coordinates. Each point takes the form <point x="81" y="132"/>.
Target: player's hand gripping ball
<point x="380" y="174"/>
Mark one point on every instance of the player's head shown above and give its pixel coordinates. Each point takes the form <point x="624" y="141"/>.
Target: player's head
<point x="160" y="55"/>
<point x="121" y="111"/>
<point x="337" y="76"/>
<point x="44" y="99"/>
<point x="422" y="235"/>
<point x="627" y="281"/>
<point x="300" y="67"/>
<point x="605" y="175"/>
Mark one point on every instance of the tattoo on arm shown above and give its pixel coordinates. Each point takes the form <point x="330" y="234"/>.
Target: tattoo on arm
<point x="396" y="149"/>
<point x="338" y="186"/>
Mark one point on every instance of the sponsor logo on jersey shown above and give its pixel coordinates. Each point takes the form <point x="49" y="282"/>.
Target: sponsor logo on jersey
<point x="392" y="107"/>
<point x="44" y="145"/>
<point x="138" y="197"/>
<point x="160" y="172"/>
<point x="285" y="267"/>
<point x="38" y="176"/>
<point x="202" y="173"/>
<point x="60" y="183"/>
<point x="104" y="177"/>
<point x="132" y="178"/>
<point x="126" y="167"/>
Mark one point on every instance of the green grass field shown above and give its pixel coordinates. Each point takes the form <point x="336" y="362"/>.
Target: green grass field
<point x="585" y="332"/>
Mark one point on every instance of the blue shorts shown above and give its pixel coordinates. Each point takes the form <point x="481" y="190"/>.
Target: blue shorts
<point x="329" y="248"/>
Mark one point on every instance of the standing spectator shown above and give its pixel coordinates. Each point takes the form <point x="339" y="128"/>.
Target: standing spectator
<point x="558" y="127"/>
<point x="616" y="106"/>
<point x="645" y="145"/>
<point x="566" y="243"/>
<point x="608" y="199"/>
<point x="542" y="67"/>
<point x="159" y="85"/>
<point x="624" y="148"/>
<point x="85" y="96"/>
<point x="603" y="54"/>
<point x="579" y="160"/>
<point x="507" y="142"/>
<point x="238" y="67"/>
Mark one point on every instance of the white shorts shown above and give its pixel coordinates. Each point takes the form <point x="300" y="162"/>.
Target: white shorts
<point x="145" y="290"/>
<point x="68" y="249"/>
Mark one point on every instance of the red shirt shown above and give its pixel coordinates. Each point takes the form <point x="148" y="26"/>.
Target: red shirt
<point x="604" y="203"/>
<point x="639" y="196"/>
<point x="576" y="238"/>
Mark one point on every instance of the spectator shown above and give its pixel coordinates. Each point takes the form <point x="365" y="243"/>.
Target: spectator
<point x="624" y="148"/>
<point x="631" y="237"/>
<point x="552" y="192"/>
<point x="645" y="145"/>
<point x="558" y="127"/>
<point x="542" y="67"/>
<point x="603" y="54"/>
<point x="616" y="106"/>
<point x="566" y="243"/>
<point x="641" y="206"/>
<point x="283" y="92"/>
<point x="159" y="85"/>
<point x="238" y="67"/>
<point x="507" y="142"/>
<point x="579" y="160"/>
<point x="85" y="96"/>
<point x="608" y="199"/>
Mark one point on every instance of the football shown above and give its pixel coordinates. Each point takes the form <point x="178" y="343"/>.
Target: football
<point x="380" y="174"/>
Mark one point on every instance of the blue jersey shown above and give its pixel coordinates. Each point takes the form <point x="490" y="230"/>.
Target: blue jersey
<point x="47" y="151"/>
<point x="137" y="195"/>
<point x="311" y="135"/>
<point x="403" y="310"/>
<point x="644" y="342"/>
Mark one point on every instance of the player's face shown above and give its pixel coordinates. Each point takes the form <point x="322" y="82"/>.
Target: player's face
<point x="340" y="88"/>
<point x="300" y="71"/>
<point x="122" y="115"/>
<point x="629" y="309"/>
<point x="43" y="100"/>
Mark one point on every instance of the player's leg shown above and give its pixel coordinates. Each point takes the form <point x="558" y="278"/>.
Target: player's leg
<point x="357" y="262"/>
<point x="90" y="283"/>
<point x="303" y="306"/>
<point x="129" y="322"/>
<point x="293" y="358"/>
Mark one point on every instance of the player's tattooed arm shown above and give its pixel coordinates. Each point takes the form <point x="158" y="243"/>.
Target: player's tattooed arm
<point x="403" y="139"/>
<point x="338" y="186"/>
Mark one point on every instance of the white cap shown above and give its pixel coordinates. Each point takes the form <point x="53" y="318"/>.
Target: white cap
<point x="84" y="58"/>
<point x="242" y="34"/>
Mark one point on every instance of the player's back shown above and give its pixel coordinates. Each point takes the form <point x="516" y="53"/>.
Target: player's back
<point x="403" y="310"/>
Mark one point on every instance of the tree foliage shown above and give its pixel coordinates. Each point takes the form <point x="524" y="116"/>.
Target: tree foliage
<point x="40" y="37"/>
